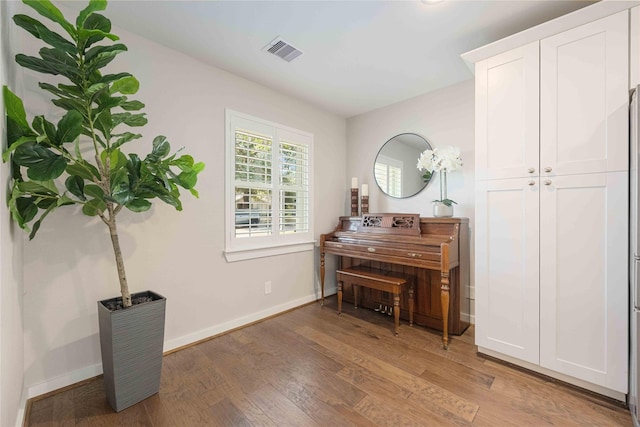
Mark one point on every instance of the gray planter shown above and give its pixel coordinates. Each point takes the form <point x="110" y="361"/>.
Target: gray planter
<point x="131" y="342"/>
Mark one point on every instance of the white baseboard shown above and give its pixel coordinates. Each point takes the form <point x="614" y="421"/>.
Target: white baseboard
<point x="236" y="323"/>
<point x="95" y="370"/>
<point x="22" y="409"/>
<point x="613" y="394"/>
<point x="64" y="380"/>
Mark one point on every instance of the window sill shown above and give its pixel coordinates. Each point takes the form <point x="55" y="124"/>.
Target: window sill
<point x="245" y="254"/>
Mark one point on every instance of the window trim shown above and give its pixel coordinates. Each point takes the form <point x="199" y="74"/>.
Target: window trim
<point x="258" y="247"/>
<point x="389" y="162"/>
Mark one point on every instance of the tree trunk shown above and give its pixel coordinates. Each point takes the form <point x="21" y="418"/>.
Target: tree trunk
<point x="124" y="287"/>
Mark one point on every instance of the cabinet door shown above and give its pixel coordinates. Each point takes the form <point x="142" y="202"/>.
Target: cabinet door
<point x="507" y="267"/>
<point x="507" y="114"/>
<point x="583" y="277"/>
<point x="584" y="98"/>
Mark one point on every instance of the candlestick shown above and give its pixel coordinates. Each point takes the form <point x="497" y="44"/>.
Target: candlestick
<point x="354" y="182"/>
<point x="365" y="190"/>
<point x="354" y="201"/>
<point x="364" y="205"/>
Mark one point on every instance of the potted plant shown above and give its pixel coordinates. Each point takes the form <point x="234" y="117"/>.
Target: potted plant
<point x="443" y="160"/>
<point x="81" y="161"/>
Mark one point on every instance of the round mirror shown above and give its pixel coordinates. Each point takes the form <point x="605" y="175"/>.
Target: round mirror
<point x="395" y="167"/>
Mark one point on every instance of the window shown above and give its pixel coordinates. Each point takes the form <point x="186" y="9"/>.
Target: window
<point x="269" y="192"/>
<point x="388" y="173"/>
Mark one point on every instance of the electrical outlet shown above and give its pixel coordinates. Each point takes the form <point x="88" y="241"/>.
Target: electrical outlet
<point x="267" y="287"/>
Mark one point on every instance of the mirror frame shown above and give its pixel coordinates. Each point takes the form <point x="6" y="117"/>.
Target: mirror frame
<point x="427" y="146"/>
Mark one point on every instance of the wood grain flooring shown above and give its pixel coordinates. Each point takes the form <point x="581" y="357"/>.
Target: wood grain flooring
<point x="311" y="367"/>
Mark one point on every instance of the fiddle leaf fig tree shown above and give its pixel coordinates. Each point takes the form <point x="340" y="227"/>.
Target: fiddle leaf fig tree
<point x="80" y="159"/>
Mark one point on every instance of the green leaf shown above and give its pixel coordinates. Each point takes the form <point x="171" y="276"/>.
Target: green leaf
<point x="136" y="120"/>
<point x="95" y="88"/>
<point x="84" y="170"/>
<point x="15" y="110"/>
<point x="68" y="104"/>
<point x="198" y="167"/>
<point x="38" y="187"/>
<point x="61" y="92"/>
<point x="112" y="77"/>
<point x="194" y="193"/>
<point x="94" y="191"/>
<point x="101" y="60"/>
<point x="16" y="144"/>
<point x="132" y="105"/>
<point x="37" y="29"/>
<point x="64" y="201"/>
<point x="60" y="60"/>
<point x="36" y="225"/>
<point x="94" y="51"/>
<point x="184" y="162"/>
<point x="48" y="10"/>
<point x="42" y="164"/>
<point x="126" y="86"/>
<point x="138" y="205"/>
<point x="124" y="138"/>
<point x="75" y="185"/>
<point x="122" y="193"/>
<point x="104" y="123"/>
<point x="96" y="28"/>
<point x="106" y="102"/>
<point x="93" y="207"/>
<point x="161" y="146"/>
<point x="47" y="128"/>
<point x="27" y="209"/>
<point x="94" y="6"/>
<point x="117" y="160"/>
<point x="69" y="127"/>
<point x="35" y="64"/>
<point x="71" y="90"/>
<point x="14" y="132"/>
<point x="188" y="179"/>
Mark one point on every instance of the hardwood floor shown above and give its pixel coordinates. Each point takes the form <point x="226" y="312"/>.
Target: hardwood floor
<point x="311" y="367"/>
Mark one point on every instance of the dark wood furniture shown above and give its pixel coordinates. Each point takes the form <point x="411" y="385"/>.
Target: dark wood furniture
<point x="380" y="280"/>
<point x="435" y="251"/>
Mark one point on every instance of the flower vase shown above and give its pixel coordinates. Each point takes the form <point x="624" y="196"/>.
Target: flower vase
<point x="440" y="210"/>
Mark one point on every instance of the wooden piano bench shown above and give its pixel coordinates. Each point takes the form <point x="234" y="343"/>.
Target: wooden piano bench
<point x="381" y="280"/>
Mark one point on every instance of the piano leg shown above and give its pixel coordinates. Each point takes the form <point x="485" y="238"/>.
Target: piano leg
<point x="322" y="277"/>
<point x="396" y="311"/>
<point x="444" y="300"/>
<point x="411" y="303"/>
<point x="339" y="297"/>
<point x="444" y="293"/>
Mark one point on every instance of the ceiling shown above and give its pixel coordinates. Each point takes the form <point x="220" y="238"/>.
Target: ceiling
<point x="357" y="55"/>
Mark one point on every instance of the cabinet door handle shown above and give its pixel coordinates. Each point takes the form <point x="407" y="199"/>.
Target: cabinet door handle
<point x="414" y="255"/>
<point x="532" y="170"/>
<point x="547" y="169"/>
<point x="547" y="182"/>
<point x="338" y="246"/>
<point x="532" y="182"/>
<point x="371" y="249"/>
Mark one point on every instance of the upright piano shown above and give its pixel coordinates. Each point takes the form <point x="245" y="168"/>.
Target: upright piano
<point x="434" y="251"/>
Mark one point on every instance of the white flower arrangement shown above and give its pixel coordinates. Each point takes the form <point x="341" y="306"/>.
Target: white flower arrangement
<point x="442" y="159"/>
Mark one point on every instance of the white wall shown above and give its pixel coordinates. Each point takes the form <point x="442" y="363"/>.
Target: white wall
<point x="69" y="265"/>
<point x="11" y="330"/>
<point x="443" y="117"/>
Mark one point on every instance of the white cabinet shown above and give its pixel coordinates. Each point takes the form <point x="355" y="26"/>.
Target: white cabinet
<point x="507" y="273"/>
<point x="584" y="98"/>
<point x="583" y="277"/>
<point x="507" y="106"/>
<point x="552" y="203"/>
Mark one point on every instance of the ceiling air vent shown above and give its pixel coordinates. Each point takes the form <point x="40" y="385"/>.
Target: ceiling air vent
<point x="283" y="50"/>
